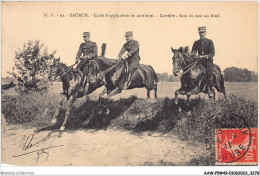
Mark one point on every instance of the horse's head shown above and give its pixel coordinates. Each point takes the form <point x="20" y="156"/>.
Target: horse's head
<point x="55" y="70"/>
<point x="178" y="61"/>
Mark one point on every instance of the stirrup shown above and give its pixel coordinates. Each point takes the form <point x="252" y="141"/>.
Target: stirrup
<point x="126" y="85"/>
<point x="80" y="92"/>
<point x="210" y="94"/>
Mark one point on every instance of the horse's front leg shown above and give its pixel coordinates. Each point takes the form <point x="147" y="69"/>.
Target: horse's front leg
<point x="104" y="91"/>
<point x="148" y="94"/>
<point x="117" y="90"/>
<point x="54" y="117"/>
<point x="188" y="104"/>
<point x="71" y="103"/>
<point x="155" y="91"/>
<point x="102" y="97"/>
<point x="177" y="100"/>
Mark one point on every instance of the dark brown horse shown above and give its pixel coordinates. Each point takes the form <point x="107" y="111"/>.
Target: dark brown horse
<point x="99" y="72"/>
<point x="113" y="74"/>
<point x="192" y="73"/>
<point x="71" y="83"/>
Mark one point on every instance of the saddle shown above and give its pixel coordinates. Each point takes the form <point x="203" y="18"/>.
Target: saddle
<point x="203" y="68"/>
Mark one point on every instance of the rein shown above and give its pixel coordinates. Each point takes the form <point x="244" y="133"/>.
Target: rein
<point x="101" y="74"/>
<point x="93" y="77"/>
<point x="190" y="66"/>
<point x="110" y="68"/>
<point x="65" y="72"/>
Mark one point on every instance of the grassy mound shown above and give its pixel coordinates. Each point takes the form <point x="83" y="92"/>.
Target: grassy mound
<point x="138" y="115"/>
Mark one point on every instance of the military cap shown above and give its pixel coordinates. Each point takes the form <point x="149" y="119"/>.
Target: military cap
<point x="128" y="33"/>
<point x="86" y="34"/>
<point x="202" y="29"/>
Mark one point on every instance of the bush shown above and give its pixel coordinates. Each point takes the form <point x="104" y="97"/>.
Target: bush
<point x="31" y="67"/>
<point x="32" y="107"/>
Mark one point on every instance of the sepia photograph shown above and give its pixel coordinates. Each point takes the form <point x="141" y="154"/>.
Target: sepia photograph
<point x="127" y="83"/>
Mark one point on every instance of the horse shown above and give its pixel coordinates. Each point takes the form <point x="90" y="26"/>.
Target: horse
<point x="193" y="75"/>
<point x="113" y="73"/>
<point x="71" y="82"/>
<point x="100" y="71"/>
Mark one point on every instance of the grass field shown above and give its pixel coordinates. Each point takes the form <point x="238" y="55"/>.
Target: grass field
<point x="246" y="90"/>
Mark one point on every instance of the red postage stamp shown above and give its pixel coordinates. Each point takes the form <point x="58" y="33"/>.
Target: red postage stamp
<point x="236" y="146"/>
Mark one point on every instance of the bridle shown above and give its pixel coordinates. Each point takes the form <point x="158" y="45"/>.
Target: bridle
<point x="62" y="74"/>
<point x="91" y="78"/>
<point x="188" y="67"/>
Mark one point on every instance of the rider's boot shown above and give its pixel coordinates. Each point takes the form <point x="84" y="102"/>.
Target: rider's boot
<point x="128" y="81"/>
<point x="81" y="88"/>
<point x="102" y="78"/>
<point x="195" y="90"/>
<point x="210" y="85"/>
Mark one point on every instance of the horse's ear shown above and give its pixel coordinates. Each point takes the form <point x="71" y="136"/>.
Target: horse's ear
<point x="58" y="59"/>
<point x="173" y="50"/>
<point x="186" y="49"/>
<point x="181" y="49"/>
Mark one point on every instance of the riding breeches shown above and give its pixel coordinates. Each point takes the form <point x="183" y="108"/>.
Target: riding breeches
<point x="82" y="63"/>
<point x="132" y="65"/>
<point x="208" y="65"/>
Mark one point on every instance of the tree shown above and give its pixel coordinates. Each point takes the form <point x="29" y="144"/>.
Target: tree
<point x="234" y="74"/>
<point x="163" y="77"/>
<point x="32" y="64"/>
<point x="173" y="79"/>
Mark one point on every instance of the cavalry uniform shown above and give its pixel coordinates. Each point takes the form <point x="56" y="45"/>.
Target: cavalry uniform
<point x="89" y="51"/>
<point x="133" y="58"/>
<point x="205" y="49"/>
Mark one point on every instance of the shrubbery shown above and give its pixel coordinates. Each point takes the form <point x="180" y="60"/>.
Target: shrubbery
<point x="31" y="67"/>
<point x="32" y="107"/>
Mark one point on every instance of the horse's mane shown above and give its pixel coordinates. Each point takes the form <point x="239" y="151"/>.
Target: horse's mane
<point x="186" y="51"/>
<point x="107" y="61"/>
<point x="71" y="73"/>
<point x="64" y="66"/>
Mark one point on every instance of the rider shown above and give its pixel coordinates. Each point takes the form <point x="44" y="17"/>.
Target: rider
<point x="130" y="52"/>
<point x="206" y="51"/>
<point x="89" y="51"/>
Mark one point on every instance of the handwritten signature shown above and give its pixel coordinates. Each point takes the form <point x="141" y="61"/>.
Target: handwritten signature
<point x="30" y="144"/>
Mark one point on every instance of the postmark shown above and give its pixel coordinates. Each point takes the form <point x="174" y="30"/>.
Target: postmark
<point x="236" y="146"/>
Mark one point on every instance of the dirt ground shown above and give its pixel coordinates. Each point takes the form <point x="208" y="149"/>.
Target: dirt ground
<point x="98" y="148"/>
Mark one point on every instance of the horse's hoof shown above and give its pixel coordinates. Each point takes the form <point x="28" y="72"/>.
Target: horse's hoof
<point x="107" y="111"/>
<point x="179" y="109"/>
<point x="53" y="121"/>
<point x="99" y="112"/>
<point x="188" y="113"/>
<point x="86" y="122"/>
<point x="62" y="128"/>
<point x="80" y="94"/>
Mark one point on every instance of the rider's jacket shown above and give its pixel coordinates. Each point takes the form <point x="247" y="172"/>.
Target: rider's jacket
<point x="132" y="47"/>
<point x="204" y="47"/>
<point x="88" y="48"/>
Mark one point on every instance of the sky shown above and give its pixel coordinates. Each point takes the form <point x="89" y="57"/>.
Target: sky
<point x="234" y="32"/>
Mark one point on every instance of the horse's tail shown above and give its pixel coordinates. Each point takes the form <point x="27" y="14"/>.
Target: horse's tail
<point x="219" y="84"/>
<point x="156" y="80"/>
